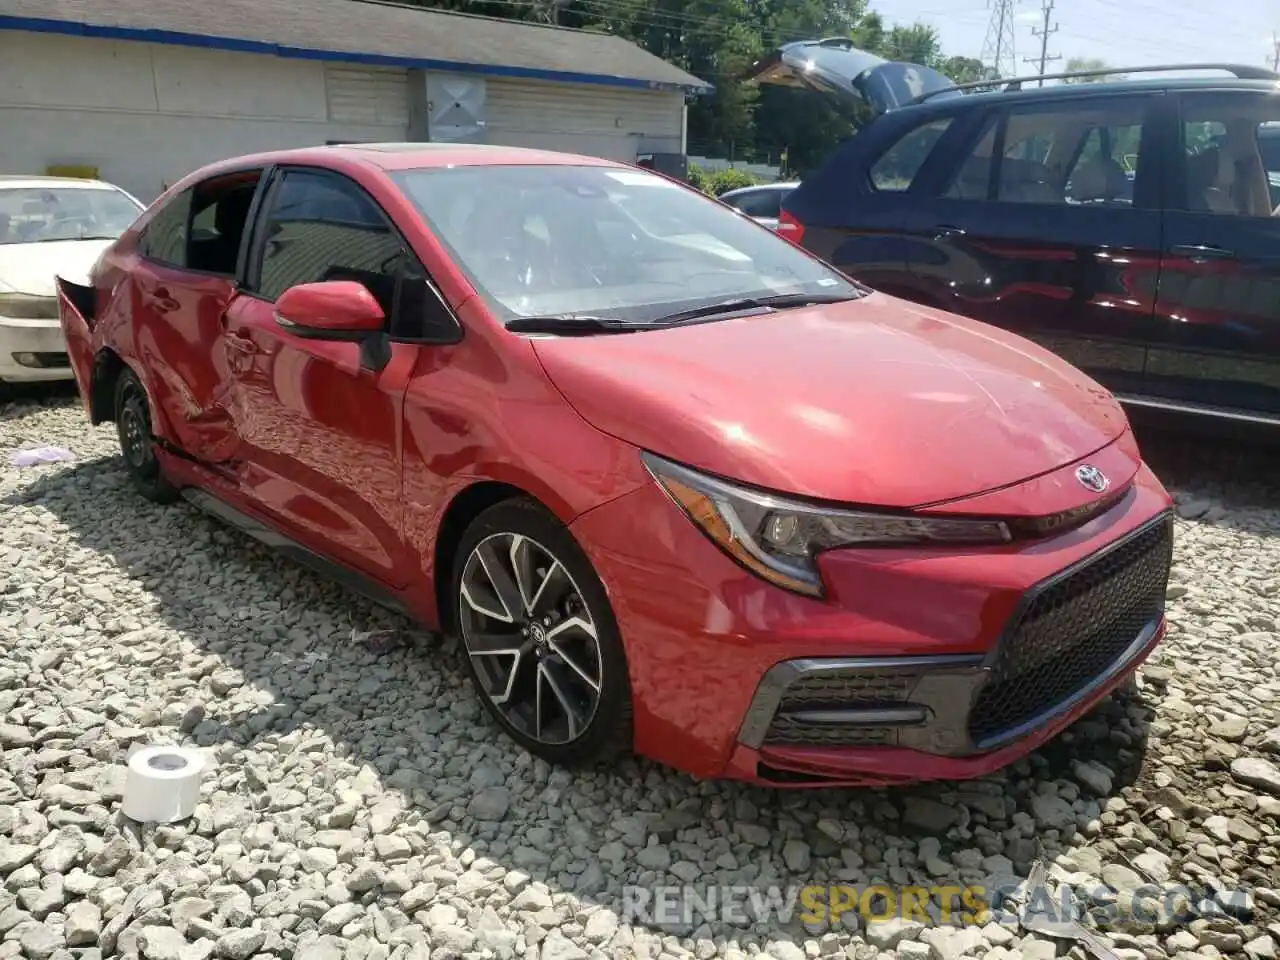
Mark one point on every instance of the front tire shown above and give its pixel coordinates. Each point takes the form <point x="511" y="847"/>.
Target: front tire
<point x="133" y="426"/>
<point x="539" y="636"/>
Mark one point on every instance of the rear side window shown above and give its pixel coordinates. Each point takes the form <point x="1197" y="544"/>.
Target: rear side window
<point x="164" y="239"/>
<point x="1080" y="152"/>
<point x="203" y="228"/>
<point x="898" y="166"/>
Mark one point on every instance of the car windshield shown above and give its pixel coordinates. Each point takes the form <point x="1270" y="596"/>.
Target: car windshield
<point x="541" y="241"/>
<point x="40" y="214"/>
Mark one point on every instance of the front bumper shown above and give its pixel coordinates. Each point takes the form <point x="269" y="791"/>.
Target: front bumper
<point x="32" y="350"/>
<point x="921" y="664"/>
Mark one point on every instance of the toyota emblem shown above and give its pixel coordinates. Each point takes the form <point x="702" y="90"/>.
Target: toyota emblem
<point x="1093" y="478"/>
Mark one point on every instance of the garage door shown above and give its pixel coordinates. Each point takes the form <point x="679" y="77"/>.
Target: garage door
<point x="594" y="120"/>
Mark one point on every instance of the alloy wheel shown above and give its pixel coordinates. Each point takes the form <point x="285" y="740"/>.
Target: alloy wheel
<point x="531" y="638"/>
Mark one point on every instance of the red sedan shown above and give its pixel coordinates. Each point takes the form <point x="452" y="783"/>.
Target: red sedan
<point x="678" y="486"/>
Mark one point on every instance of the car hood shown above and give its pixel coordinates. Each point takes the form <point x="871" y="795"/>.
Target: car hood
<point x="874" y="401"/>
<point x="30" y="267"/>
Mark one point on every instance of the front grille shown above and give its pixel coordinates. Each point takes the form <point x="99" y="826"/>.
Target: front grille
<point x="845" y="689"/>
<point x="1073" y="631"/>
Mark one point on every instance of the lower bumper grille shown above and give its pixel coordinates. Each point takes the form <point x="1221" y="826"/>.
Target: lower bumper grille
<point x="1072" y="631"/>
<point x="1071" y="634"/>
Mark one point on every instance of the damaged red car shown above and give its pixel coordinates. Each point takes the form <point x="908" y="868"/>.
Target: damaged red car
<point x="678" y="486"/>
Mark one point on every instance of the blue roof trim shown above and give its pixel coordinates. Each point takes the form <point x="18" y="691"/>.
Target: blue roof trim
<point x="176" y="38"/>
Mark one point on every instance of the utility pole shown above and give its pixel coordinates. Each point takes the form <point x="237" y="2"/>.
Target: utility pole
<point x="997" y="48"/>
<point x="1275" y="57"/>
<point x="1043" y="33"/>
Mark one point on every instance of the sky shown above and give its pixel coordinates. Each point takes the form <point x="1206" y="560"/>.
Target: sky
<point x="1121" y="32"/>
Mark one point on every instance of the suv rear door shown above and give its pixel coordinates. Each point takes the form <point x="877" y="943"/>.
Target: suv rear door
<point x="1048" y="224"/>
<point x="1218" y="339"/>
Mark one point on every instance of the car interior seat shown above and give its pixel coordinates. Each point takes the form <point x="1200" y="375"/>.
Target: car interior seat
<point x="1100" y="180"/>
<point x="1206" y="173"/>
<point x="1027" y="181"/>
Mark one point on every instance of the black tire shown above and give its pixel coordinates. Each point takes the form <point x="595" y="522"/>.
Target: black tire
<point x="608" y="731"/>
<point x="133" y="427"/>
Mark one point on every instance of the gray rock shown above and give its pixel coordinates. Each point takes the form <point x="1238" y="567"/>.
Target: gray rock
<point x="240" y="944"/>
<point x="490" y="804"/>
<point x="161" y="943"/>
<point x="1257" y="772"/>
<point x="83" y="924"/>
<point x="931" y="815"/>
<point x="559" y="947"/>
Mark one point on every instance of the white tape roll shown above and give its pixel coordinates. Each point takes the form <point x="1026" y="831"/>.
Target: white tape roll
<point x="162" y="784"/>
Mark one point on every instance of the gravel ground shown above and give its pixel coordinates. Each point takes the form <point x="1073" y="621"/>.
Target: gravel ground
<point x="361" y="806"/>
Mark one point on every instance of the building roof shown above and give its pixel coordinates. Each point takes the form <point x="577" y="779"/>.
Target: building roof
<point x="362" y="31"/>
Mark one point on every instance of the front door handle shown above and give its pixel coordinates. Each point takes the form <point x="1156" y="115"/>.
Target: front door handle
<point x="947" y="232"/>
<point x="1200" y="252"/>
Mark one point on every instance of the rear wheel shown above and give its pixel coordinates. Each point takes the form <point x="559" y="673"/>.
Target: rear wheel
<point x="133" y="426"/>
<point x="540" y="637"/>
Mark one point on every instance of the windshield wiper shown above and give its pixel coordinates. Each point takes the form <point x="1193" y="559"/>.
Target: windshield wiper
<point x="573" y="323"/>
<point x="781" y="301"/>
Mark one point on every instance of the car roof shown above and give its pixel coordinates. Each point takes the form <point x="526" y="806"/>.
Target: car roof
<point x="18" y="181"/>
<point x="391" y="157"/>
<point x="1068" y="91"/>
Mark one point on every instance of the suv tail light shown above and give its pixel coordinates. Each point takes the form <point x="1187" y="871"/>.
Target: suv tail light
<point x="790" y="228"/>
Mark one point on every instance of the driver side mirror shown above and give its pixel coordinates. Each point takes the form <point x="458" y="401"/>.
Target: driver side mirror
<point x="330" y="310"/>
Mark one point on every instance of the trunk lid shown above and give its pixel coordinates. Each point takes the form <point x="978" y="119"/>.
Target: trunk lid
<point x="836" y="68"/>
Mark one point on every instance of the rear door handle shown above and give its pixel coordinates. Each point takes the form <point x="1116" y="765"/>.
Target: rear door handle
<point x="1200" y="252"/>
<point x="947" y="232"/>
<point x="241" y="344"/>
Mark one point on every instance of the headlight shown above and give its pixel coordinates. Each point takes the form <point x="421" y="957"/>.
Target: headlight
<point x="778" y="539"/>
<point x="24" y="306"/>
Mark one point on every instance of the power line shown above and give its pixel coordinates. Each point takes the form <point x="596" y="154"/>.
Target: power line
<point x="997" y="48"/>
<point x="1043" y="33"/>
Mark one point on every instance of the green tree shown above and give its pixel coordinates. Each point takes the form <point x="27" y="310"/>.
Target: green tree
<point x="1075" y="64"/>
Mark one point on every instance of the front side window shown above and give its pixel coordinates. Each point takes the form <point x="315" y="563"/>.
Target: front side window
<point x="1231" y="150"/>
<point x="323" y="227"/>
<point x="605" y="241"/>
<point x="41" y="214"/>
<point x="320" y="226"/>
<point x="898" y="166"/>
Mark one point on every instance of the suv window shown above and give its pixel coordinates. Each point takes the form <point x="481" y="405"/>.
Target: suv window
<point x="1081" y="152"/>
<point x="321" y="226"/>
<point x="758" y="203"/>
<point x="1231" y="145"/>
<point x="164" y="239"/>
<point x="898" y="166"/>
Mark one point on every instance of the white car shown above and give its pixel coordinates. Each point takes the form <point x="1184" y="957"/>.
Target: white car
<point x="49" y="226"/>
<point x="762" y="203"/>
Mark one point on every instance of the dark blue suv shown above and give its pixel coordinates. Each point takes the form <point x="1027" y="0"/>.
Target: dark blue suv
<point x="1132" y="226"/>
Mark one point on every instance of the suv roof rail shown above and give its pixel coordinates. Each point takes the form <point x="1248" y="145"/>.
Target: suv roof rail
<point x="1011" y="84"/>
